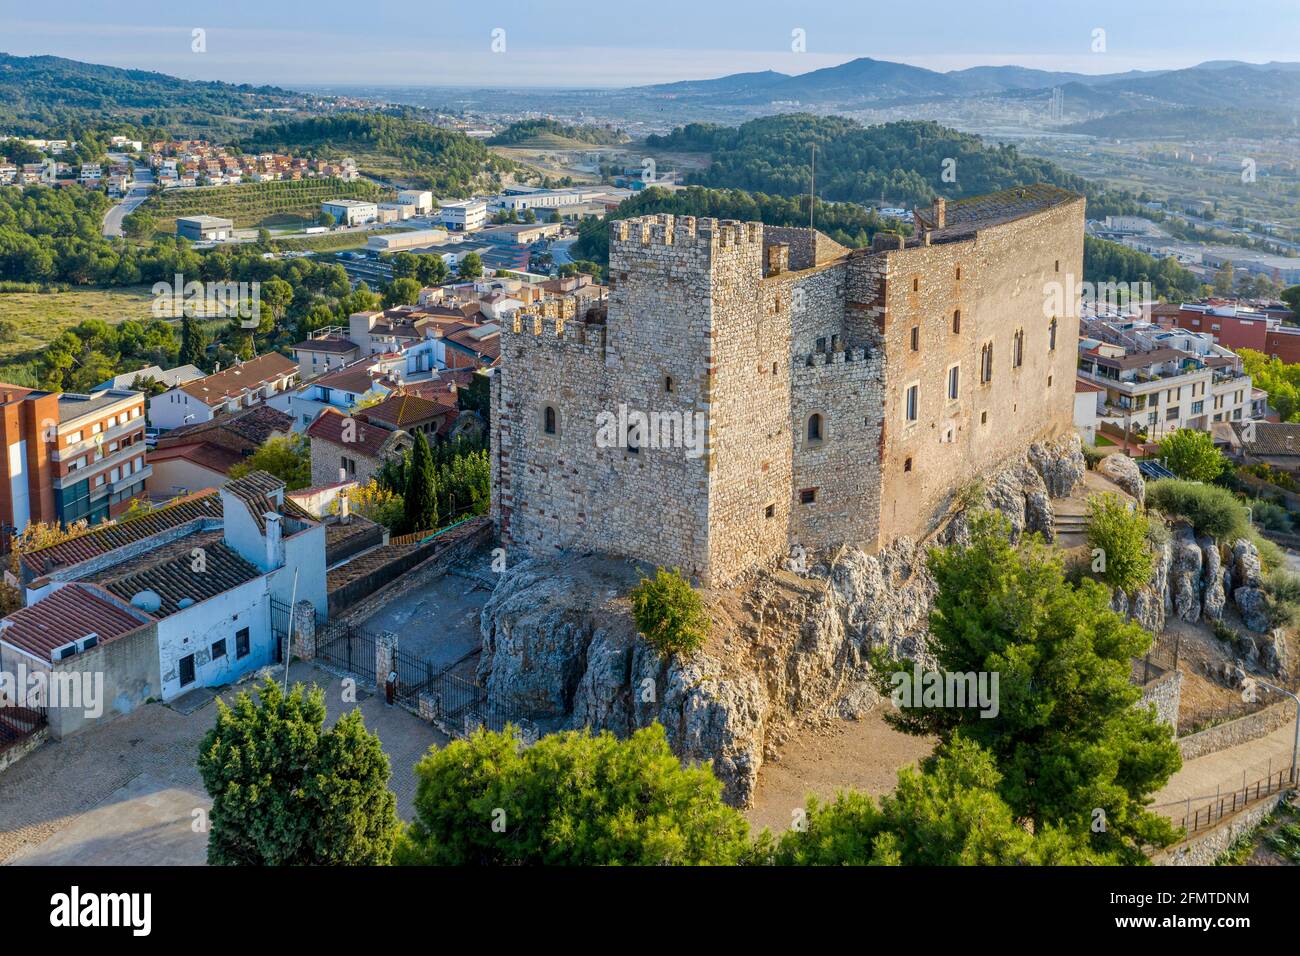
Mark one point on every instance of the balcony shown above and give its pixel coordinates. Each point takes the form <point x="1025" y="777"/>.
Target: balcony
<point x="92" y="444"/>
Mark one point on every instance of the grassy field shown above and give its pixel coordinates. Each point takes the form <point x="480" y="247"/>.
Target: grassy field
<point x="40" y="317"/>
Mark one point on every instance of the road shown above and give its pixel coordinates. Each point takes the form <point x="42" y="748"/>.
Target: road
<point x="139" y="193"/>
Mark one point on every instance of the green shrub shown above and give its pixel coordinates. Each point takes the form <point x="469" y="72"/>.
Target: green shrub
<point x="669" y="613"/>
<point x="1091" y="456"/>
<point x="1271" y="554"/>
<point x="1270" y="516"/>
<point x="1210" y="509"/>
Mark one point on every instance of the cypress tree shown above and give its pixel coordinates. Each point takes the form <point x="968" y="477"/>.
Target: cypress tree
<point x="421" y="498"/>
<point x="194" y="348"/>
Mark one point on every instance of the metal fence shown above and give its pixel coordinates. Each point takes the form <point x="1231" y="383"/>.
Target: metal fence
<point x="348" y="646"/>
<point x="19" y="723"/>
<point x="1227" y="804"/>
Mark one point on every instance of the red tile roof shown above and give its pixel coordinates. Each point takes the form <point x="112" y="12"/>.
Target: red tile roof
<point x="68" y="614"/>
<point x="369" y="438"/>
<point x="238" y="379"/>
<point x="404" y="411"/>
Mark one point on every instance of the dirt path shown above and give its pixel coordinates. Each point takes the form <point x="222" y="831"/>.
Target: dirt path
<point x="1203" y="778"/>
<point x="861" y="755"/>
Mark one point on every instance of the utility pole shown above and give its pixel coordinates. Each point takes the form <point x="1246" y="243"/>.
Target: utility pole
<point x="1295" y="745"/>
<point x="812" y="187"/>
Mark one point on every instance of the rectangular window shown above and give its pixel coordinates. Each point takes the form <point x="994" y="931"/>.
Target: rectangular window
<point x="807" y="496"/>
<point x="954" y="383"/>
<point x="913" y="402"/>
<point x="1198" y="408"/>
<point x="187" y="670"/>
<point x="916" y="338"/>
<point x="241" y="643"/>
<point x="219" y="649"/>
<point x="1171" y="413"/>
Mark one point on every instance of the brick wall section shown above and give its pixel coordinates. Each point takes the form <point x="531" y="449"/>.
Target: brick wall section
<point x="759" y="329"/>
<point x="1239" y="731"/>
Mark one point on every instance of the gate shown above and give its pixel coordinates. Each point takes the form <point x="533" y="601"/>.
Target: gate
<point x="349" y="647"/>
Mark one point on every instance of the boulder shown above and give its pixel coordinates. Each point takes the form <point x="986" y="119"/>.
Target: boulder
<point x="1253" y="605"/>
<point x="1123" y="471"/>
<point x="1059" y="463"/>
<point x="1273" y="653"/>
<point x="1246" y="569"/>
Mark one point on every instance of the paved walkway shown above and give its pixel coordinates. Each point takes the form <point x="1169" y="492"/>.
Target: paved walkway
<point x="1201" y="780"/>
<point x="127" y="792"/>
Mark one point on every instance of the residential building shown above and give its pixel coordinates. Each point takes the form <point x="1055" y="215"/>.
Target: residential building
<point x="195" y="594"/>
<point x="99" y="462"/>
<point x="326" y="349"/>
<point x="1156" y="381"/>
<point x="267" y="378"/>
<point x="342" y="389"/>
<point x="197" y="456"/>
<point x="171" y="377"/>
<point x="351" y="447"/>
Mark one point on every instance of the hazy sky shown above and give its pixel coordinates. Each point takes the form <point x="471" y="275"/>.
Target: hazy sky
<point x="559" y="43"/>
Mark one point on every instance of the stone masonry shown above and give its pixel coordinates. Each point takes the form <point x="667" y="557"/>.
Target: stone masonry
<point x="822" y="378"/>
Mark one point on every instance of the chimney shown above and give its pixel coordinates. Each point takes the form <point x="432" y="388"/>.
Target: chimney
<point x="939" y="212"/>
<point x="345" y="509"/>
<point x="883" y="241"/>
<point x="274" y="541"/>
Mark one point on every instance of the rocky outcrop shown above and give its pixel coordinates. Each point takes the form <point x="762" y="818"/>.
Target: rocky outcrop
<point x="1023" y="491"/>
<point x="1273" y="653"/>
<point x="1152" y="601"/>
<point x="1253" y="605"/>
<point x="1213" y="596"/>
<point x="1059" y="463"/>
<point x="1246" y="569"/>
<point x="1185" y="575"/>
<point x="1123" y="470"/>
<point x="789" y="647"/>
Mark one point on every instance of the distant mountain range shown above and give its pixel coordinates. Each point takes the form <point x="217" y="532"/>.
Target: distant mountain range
<point x="867" y="83"/>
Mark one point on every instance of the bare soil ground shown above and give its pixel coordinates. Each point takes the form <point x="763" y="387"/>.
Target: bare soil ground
<point x="861" y="755"/>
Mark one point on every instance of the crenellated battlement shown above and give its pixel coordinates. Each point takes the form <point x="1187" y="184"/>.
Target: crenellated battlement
<point x="837" y="357"/>
<point x="687" y="232"/>
<point x="566" y="332"/>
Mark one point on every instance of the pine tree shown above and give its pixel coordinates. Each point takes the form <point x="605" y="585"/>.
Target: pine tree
<point x="421" y="496"/>
<point x="287" y="792"/>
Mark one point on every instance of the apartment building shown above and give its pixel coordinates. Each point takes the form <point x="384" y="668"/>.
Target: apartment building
<point x="1157" y="381"/>
<point x="351" y="212"/>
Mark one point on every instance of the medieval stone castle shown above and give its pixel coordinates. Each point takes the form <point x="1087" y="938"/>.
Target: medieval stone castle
<point x="843" y="396"/>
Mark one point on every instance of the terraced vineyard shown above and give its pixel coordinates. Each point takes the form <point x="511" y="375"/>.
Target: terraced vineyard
<point x="253" y="204"/>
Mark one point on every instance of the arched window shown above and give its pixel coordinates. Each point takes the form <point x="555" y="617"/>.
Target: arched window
<point x="815" y="427"/>
<point x="668" y="383"/>
<point x="1018" y="349"/>
<point x="986" y="363"/>
<point x="549" y="421"/>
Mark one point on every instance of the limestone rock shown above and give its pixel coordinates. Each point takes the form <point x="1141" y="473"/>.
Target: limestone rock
<point x="1246" y="570"/>
<point x="1254" y="609"/>
<point x="1123" y="470"/>
<point x="711" y="718"/>
<point x="1273" y="653"/>
<point x="1185" y="575"/>
<point x="1059" y="463"/>
<point x="1213" y="596"/>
